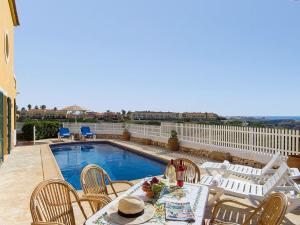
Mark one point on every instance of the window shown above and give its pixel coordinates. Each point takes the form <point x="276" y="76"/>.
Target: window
<point x="6" y="46"/>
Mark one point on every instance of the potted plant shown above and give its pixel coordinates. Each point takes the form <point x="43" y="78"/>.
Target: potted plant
<point x="126" y="135"/>
<point x="173" y="142"/>
<point x="293" y="161"/>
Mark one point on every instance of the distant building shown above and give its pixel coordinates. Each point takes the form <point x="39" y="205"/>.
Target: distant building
<point x="198" y="115"/>
<point x="71" y="112"/>
<point x="43" y="114"/>
<point x="110" y="116"/>
<point x="150" y="115"/>
<point x="92" y="115"/>
<point x="74" y="112"/>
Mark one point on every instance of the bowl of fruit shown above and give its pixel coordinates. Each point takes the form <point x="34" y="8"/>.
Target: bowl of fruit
<point x="153" y="187"/>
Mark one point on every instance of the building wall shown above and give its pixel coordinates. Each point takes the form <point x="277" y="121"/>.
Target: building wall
<point x="43" y="114"/>
<point x="7" y="77"/>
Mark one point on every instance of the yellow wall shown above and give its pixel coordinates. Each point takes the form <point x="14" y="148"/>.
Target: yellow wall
<point x="7" y="78"/>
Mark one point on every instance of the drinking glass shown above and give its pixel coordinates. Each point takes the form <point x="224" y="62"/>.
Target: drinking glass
<point x="190" y="173"/>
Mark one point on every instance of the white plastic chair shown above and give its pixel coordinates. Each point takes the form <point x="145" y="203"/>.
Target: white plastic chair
<point x="254" y="192"/>
<point x="255" y="174"/>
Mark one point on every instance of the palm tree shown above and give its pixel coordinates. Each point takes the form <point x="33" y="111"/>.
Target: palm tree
<point x="123" y="112"/>
<point x="43" y="107"/>
<point x="36" y="107"/>
<point x="23" y="109"/>
<point x="29" y="107"/>
<point x="55" y="108"/>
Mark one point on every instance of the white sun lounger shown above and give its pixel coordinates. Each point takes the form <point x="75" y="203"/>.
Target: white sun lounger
<point x="253" y="192"/>
<point x="226" y="169"/>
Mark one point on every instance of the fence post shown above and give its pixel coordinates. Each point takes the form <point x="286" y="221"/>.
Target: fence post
<point x="209" y="134"/>
<point x="160" y="130"/>
<point x="34" y="135"/>
<point x="297" y="141"/>
<point x="181" y="135"/>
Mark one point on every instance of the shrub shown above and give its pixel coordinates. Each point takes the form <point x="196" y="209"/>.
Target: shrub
<point x="146" y="122"/>
<point x="173" y="134"/>
<point x="44" y="129"/>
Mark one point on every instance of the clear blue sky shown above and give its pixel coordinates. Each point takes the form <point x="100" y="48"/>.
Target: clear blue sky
<point x="231" y="57"/>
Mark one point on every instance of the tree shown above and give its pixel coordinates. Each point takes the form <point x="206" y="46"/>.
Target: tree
<point x="123" y="112"/>
<point x="55" y="108"/>
<point x="43" y="107"/>
<point x="23" y="109"/>
<point x="206" y="115"/>
<point x="29" y="107"/>
<point x="36" y="107"/>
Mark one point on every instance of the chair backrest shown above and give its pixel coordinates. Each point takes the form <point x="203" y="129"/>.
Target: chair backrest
<point x="64" y="130"/>
<point x="271" y="163"/>
<point x="275" y="180"/>
<point x="271" y="211"/>
<point x="93" y="180"/>
<point x="51" y="202"/>
<point x="189" y="165"/>
<point x="85" y="130"/>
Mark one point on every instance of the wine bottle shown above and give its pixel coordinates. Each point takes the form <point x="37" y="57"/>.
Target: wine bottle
<point x="172" y="173"/>
<point x="180" y="174"/>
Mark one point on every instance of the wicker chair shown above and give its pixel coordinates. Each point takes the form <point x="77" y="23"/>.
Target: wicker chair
<point x="269" y="212"/>
<point x="190" y="167"/>
<point x="51" y="203"/>
<point x="93" y="181"/>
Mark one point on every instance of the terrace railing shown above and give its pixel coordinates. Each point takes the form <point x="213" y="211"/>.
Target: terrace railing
<point x="247" y="142"/>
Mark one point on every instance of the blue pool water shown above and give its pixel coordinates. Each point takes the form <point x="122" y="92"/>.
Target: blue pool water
<point x="119" y="163"/>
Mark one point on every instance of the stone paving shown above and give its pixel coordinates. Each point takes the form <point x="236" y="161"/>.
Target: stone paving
<point x="162" y="152"/>
<point x="26" y="166"/>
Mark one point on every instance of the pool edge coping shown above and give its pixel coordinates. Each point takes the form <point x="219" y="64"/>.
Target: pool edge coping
<point x="53" y="160"/>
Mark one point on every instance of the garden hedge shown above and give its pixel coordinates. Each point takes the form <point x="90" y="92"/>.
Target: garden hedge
<point x="44" y="129"/>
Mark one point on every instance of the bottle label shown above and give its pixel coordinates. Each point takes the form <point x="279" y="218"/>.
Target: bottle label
<point x="180" y="175"/>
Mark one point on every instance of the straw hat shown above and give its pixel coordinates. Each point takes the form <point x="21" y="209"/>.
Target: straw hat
<point x="130" y="210"/>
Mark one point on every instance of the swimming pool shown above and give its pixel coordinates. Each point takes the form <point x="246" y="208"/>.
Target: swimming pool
<point x="119" y="163"/>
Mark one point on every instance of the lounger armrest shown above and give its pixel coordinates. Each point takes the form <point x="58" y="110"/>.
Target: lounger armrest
<point x="223" y="202"/>
<point x="292" y="186"/>
<point x="46" y="223"/>
<point x="270" y="171"/>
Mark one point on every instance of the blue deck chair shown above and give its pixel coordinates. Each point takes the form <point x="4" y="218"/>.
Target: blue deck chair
<point x="86" y="132"/>
<point x="64" y="132"/>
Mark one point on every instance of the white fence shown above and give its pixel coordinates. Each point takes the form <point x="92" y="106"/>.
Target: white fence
<point x="19" y="127"/>
<point x="98" y="128"/>
<point x="247" y="142"/>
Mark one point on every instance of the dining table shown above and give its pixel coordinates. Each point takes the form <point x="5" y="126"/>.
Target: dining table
<point x="195" y="194"/>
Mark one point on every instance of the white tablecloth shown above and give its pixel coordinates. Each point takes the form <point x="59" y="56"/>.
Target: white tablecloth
<point x="196" y="194"/>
